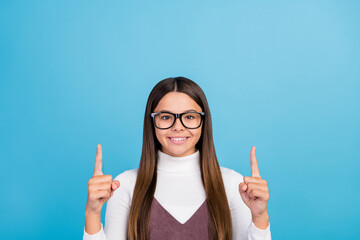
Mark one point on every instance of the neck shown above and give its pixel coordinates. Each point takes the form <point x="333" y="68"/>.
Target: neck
<point x="168" y="163"/>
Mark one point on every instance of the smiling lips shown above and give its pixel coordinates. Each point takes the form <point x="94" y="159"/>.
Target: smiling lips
<point x="178" y="140"/>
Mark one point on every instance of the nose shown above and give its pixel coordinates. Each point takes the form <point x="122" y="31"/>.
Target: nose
<point x="177" y="125"/>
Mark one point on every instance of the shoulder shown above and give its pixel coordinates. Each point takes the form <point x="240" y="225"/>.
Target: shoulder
<point x="123" y="194"/>
<point x="230" y="175"/>
<point x="128" y="178"/>
<point x="231" y="180"/>
<point x="127" y="174"/>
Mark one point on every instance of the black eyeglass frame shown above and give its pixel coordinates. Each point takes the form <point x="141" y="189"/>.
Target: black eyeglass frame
<point x="178" y="115"/>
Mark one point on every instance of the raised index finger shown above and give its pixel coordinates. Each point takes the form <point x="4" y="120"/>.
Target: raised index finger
<point x="98" y="161"/>
<point x="253" y="162"/>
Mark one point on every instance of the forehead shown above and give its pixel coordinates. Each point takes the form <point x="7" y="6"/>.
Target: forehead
<point x="177" y="102"/>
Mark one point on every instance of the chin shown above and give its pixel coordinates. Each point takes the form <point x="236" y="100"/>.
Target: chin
<point x="178" y="151"/>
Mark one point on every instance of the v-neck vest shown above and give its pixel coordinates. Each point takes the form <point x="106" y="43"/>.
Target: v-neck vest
<point x="164" y="226"/>
<point x="169" y="224"/>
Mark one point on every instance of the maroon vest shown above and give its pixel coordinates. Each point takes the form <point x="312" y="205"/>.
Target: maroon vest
<point x="164" y="226"/>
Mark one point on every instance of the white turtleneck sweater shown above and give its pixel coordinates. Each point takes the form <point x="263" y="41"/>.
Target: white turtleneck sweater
<point x="180" y="191"/>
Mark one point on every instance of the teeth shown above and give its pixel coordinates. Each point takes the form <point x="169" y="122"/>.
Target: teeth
<point x="178" y="139"/>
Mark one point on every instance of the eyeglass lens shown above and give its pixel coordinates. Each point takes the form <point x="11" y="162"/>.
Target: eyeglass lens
<point x="190" y="120"/>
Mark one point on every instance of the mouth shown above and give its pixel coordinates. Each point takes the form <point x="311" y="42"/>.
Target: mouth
<point x="178" y="140"/>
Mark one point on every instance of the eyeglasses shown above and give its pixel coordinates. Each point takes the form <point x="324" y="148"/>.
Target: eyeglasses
<point x="165" y="120"/>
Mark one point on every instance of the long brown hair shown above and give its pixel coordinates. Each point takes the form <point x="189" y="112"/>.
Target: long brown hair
<point x="220" y="226"/>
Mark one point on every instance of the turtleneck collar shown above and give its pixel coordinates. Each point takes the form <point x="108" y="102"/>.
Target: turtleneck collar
<point x="168" y="163"/>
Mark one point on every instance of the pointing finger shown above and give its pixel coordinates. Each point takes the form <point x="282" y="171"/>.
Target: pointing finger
<point x="98" y="161"/>
<point x="253" y="162"/>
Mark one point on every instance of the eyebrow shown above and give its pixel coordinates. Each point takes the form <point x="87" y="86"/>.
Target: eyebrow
<point x="184" y="111"/>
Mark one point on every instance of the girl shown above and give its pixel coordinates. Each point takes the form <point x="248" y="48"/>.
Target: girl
<point x="179" y="191"/>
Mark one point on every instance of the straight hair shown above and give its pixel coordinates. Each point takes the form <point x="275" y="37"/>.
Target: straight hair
<point x="220" y="226"/>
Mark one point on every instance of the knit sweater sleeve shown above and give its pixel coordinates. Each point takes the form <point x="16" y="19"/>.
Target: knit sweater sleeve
<point x="242" y="225"/>
<point x="117" y="210"/>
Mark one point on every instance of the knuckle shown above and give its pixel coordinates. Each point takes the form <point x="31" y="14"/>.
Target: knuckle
<point x="108" y="177"/>
<point x="92" y="188"/>
<point x="101" y="194"/>
<point x="104" y="186"/>
<point x="108" y="193"/>
<point x="92" y="197"/>
<point x="251" y="193"/>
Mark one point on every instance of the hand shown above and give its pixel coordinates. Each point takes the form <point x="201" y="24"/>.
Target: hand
<point x="255" y="194"/>
<point x="100" y="187"/>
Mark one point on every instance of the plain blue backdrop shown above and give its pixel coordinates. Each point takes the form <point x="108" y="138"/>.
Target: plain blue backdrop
<point x="281" y="75"/>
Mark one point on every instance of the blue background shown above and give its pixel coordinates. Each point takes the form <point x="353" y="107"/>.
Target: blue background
<point x="281" y="75"/>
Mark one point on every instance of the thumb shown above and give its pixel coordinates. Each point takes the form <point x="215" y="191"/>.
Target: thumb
<point x="242" y="187"/>
<point x="242" y="190"/>
<point x="115" y="184"/>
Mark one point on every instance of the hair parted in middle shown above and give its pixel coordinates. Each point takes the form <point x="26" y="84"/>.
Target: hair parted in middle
<point x="220" y="226"/>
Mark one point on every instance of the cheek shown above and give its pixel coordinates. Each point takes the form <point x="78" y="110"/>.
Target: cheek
<point x="197" y="134"/>
<point x="160" y="135"/>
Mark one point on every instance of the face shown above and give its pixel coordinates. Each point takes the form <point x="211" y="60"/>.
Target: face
<point x="176" y="102"/>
